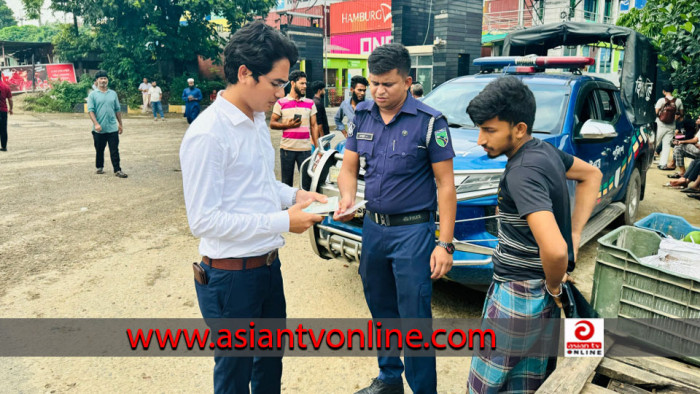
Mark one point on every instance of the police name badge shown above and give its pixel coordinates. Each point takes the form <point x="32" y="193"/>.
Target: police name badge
<point x="441" y="138"/>
<point x="365" y="136"/>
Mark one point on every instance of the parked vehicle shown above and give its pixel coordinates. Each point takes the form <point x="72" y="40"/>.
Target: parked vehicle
<point x="582" y="115"/>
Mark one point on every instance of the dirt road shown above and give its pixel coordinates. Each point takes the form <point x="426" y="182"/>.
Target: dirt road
<point x="77" y="244"/>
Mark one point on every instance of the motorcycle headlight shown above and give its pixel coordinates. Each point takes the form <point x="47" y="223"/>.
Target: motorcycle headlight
<point x="477" y="185"/>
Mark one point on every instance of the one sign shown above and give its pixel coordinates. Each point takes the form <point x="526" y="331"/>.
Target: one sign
<point x="584" y="337"/>
<point x="360" y="16"/>
<point x="359" y="43"/>
<point x="624" y="5"/>
<point x="19" y="78"/>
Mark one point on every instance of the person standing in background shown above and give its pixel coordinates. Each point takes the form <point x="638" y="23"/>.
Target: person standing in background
<point x="154" y="96"/>
<point x="143" y="88"/>
<point x="318" y="89"/>
<point x="358" y="90"/>
<point x="5" y="109"/>
<point x="417" y="91"/>
<point x="666" y="109"/>
<point x="191" y="95"/>
<point x="295" y="115"/>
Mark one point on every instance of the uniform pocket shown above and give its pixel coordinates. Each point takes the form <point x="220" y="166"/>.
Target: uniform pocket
<point x="403" y="157"/>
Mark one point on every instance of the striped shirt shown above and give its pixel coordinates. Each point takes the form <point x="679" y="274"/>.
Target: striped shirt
<point x="299" y="138"/>
<point x="534" y="180"/>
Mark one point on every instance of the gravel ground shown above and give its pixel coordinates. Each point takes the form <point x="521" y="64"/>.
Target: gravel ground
<point x="75" y="244"/>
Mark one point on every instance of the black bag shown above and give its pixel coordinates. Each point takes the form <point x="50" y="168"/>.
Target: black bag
<point x="575" y="304"/>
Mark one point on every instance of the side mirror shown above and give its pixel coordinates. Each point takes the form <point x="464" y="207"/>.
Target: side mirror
<point x="325" y="142"/>
<point x="596" y="130"/>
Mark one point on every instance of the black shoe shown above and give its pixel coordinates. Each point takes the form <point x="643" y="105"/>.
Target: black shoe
<point x="379" y="387"/>
<point x="120" y="174"/>
<point x="3" y="149"/>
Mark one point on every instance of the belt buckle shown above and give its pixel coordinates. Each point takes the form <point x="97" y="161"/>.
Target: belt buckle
<point x="382" y="219"/>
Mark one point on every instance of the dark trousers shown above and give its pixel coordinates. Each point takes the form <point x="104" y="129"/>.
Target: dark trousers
<point x="395" y="271"/>
<point x="101" y="141"/>
<point x="3" y="129"/>
<point x="254" y="293"/>
<point x="287" y="160"/>
<point x="693" y="170"/>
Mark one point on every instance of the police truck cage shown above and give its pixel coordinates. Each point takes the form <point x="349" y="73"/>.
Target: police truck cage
<point x="532" y="64"/>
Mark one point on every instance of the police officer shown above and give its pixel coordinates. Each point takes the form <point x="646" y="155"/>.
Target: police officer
<point x="405" y="149"/>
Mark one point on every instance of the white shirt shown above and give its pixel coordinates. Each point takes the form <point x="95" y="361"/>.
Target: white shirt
<point x="234" y="202"/>
<point x="155" y="93"/>
<point x="659" y="104"/>
<point x="144" y="87"/>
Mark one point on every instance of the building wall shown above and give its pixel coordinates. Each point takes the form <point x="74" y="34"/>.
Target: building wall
<point x="411" y="19"/>
<point x="309" y="41"/>
<point x="459" y="25"/>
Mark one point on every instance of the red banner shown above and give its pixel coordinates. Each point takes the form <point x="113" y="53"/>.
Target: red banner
<point x="359" y="16"/>
<point x="61" y="72"/>
<point x="19" y="78"/>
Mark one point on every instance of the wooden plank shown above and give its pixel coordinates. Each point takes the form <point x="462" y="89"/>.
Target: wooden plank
<point x="572" y="373"/>
<point x="570" y="376"/>
<point x="619" y="387"/>
<point x="590" y="388"/>
<point x="674" y="370"/>
<point x="636" y="376"/>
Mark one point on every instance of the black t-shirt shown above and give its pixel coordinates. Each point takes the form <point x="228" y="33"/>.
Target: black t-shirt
<point x="321" y="117"/>
<point x="687" y="127"/>
<point x="534" y="180"/>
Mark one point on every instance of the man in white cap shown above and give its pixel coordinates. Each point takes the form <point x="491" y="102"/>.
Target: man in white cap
<point x="191" y="96"/>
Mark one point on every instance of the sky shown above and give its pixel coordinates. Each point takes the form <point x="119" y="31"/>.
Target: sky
<point x="46" y="15"/>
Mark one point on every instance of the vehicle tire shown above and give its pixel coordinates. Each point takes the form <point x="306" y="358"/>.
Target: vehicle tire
<point x="632" y="198"/>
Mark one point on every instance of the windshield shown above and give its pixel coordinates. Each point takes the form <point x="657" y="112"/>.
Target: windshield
<point x="452" y="100"/>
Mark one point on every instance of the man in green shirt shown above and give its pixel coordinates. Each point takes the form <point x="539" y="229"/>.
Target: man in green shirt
<point x="106" y="116"/>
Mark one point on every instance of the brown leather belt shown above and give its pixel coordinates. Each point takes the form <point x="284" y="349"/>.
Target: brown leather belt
<point x="245" y="263"/>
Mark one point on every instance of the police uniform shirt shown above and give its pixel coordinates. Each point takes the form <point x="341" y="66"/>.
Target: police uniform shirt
<point x="397" y="158"/>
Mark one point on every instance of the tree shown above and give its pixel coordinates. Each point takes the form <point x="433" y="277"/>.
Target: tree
<point x="29" y="33"/>
<point x="7" y="17"/>
<point x="674" y="28"/>
<point x="146" y="37"/>
<point x="33" y="9"/>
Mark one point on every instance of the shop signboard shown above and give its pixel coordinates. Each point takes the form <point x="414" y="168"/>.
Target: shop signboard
<point x="359" y="43"/>
<point x="360" y="16"/>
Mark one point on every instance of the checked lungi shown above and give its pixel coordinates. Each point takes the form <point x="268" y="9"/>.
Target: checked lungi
<point x="524" y="318"/>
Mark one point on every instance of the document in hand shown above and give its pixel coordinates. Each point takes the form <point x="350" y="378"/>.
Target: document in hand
<point x="319" y="208"/>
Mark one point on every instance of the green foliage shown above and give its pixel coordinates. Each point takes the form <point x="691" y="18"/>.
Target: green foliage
<point x="32" y="8"/>
<point x="61" y="98"/>
<point x="7" y="17"/>
<point x="73" y="47"/>
<point x="674" y="27"/>
<point x="30" y="33"/>
<point x="137" y="38"/>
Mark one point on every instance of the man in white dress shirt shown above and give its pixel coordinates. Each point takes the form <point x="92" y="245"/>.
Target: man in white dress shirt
<point x="234" y="202"/>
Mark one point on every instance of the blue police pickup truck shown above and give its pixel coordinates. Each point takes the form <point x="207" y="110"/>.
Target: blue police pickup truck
<point x="579" y="114"/>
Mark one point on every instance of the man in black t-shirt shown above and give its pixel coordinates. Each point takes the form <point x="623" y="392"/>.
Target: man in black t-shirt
<point x="538" y="235"/>
<point x="318" y="89"/>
